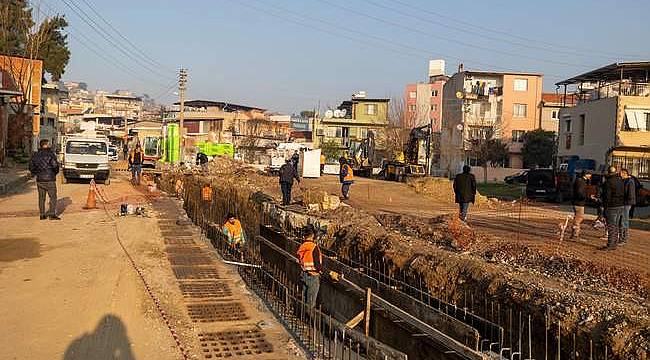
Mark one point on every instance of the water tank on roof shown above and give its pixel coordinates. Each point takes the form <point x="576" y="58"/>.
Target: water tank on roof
<point x="436" y="67"/>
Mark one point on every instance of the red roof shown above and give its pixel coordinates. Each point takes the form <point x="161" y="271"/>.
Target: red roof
<point x="558" y="98"/>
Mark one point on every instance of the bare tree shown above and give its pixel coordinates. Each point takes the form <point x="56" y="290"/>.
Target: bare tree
<point x="400" y="123"/>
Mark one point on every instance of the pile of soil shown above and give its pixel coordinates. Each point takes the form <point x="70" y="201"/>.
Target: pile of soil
<point x="442" y="190"/>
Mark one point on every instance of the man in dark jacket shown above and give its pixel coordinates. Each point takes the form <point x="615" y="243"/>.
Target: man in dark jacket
<point x="465" y="191"/>
<point x="629" y="200"/>
<point x="202" y="160"/>
<point x="45" y="167"/>
<point x="136" y="158"/>
<point x="579" y="201"/>
<point x="613" y="200"/>
<point x="287" y="174"/>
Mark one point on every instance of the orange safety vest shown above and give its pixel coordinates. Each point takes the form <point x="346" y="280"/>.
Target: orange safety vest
<point x="306" y="257"/>
<point x="234" y="232"/>
<point x="206" y="193"/>
<point x="350" y="175"/>
<point x="322" y="159"/>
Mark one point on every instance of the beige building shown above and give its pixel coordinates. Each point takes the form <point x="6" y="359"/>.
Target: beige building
<point x="119" y="104"/>
<point x="478" y="103"/>
<point x="352" y="122"/>
<point x="549" y="116"/>
<point x="610" y="122"/>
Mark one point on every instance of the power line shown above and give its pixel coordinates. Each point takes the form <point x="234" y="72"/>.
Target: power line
<point x="443" y="38"/>
<point x="377" y="39"/>
<point x="479" y="33"/>
<point x="102" y="55"/>
<point x="136" y="48"/>
<point x="83" y="15"/>
<point x="500" y="32"/>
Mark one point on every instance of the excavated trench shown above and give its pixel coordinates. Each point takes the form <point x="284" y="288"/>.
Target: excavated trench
<point x="433" y="303"/>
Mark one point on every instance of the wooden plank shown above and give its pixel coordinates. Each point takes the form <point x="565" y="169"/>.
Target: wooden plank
<point x="356" y="320"/>
<point x="368" y="303"/>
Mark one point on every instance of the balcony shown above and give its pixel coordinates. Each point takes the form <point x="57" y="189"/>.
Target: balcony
<point x="613" y="90"/>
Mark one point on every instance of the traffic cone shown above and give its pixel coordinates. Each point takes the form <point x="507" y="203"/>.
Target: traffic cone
<point x="91" y="203"/>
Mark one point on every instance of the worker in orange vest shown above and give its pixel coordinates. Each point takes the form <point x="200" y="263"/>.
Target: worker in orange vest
<point x="311" y="261"/>
<point x="346" y="176"/>
<point x="235" y="234"/>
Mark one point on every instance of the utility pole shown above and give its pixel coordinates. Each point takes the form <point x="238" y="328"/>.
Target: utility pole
<point x="182" y="82"/>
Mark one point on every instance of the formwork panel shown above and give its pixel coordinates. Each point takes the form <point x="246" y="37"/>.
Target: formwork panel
<point x="205" y="289"/>
<point x="235" y="344"/>
<point x="195" y="272"/>
<point x="216" y="312"/>
<point x="190" y="259"/>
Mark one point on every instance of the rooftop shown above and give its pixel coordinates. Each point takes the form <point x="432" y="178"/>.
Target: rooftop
<point x="635" y="71"/>
<point x="226" y="106"/>
<point x="490" y="72"/>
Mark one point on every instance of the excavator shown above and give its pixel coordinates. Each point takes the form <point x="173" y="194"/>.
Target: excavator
<point x="412" y="161"/>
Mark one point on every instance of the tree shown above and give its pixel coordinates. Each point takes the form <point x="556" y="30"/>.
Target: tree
<point x="54" y="49"/>
<point x="330" y="149"/>
<point x="539" y="148"/>
<point x="489" y="151"/>
<point x="399" y="127"/>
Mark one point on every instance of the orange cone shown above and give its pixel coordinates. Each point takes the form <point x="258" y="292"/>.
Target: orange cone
<point x="91" y="202"/>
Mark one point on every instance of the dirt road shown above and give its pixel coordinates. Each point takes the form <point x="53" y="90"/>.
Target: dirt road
<point x="69" y="291"/>
<point x="536" y="225"/>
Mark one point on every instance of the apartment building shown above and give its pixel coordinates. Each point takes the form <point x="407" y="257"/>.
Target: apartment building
<point x="121" y="103"/>
<point x="353" y="121"/>
<point x="51" y="112"/>
<point x="610" y="122"/>
<point x="549" y="116"/>
<point x="483" y="103"/>
<point x="423" y="101"/>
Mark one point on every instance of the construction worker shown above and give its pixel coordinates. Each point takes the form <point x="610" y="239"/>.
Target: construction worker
<point x="287" y="173"/>
<point x="311" y="262"/>
<point x="202" y="160"/>
<point x="323" y="159"/>
<point x="44" y="166"/>
<point x="464" y="191"/>
<point x="346" y="176"/>
<point x="136" y="158"/>
<point x="235" y="235"/>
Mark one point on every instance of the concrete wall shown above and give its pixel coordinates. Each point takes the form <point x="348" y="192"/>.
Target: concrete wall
<point x="600" y="130"/>
<point x="452" y="156"/>
<point x="494" y="174"/>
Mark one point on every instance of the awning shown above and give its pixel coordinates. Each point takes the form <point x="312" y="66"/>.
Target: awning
<point x="637" y="120"/>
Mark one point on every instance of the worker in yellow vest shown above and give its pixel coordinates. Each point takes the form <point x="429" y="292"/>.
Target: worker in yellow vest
<point x="346" y="176"/>
<point x="311" y="261"/>
<point x="323" y="159"/>
<point x="235" y="235"/>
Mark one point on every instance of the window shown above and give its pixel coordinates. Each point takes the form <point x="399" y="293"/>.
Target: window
<point x="518" y="136"/>
<point x="363" y="133"/>
<point x="567" y="125"/>
<point x="521" y="84"/>
<point x="519" y="110"/>
<point x="554" y="114"/>
<point x="412" y="108"/>
<point x="581" y="139"/>
<point x="413" y="94"/>
<point x="434" y="93"/>
<point x="339" y="132"/>
<point x="636" y="120"/>
<point x="568" y="141"/>
<point x="370" y="109"/>
<point x="434" y="107"/>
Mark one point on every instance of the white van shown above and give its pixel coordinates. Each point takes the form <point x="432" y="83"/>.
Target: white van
<point x="86" y="158"/>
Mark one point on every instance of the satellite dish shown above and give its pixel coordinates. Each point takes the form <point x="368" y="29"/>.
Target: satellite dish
<point x="337" y="113"/>
<point x="329" y="114"/>
<point x="459" y="127"/>
<point x="459" y="94"/>
<point x="344" y="112"/>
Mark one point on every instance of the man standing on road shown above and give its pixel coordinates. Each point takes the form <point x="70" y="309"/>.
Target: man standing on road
<point x="287" y="174"/>
<point x="465" y="191"/>
<point x="311" y="261"/>
<point x="579" y="201"/>
<point x="45" y="167"/>
<point x="629" y="200"/>
<point x="613" y="201"/>
<point x="346" y="177"/>
<point x="323" y="159"/>
<point x="136" y="158"/>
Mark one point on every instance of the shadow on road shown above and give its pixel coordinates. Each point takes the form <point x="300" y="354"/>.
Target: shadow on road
<point x="108" y="341"/>
<point x="62" y="204"/>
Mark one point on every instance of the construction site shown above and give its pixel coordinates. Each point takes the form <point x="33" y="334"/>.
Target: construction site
<point x="408" y="280"/>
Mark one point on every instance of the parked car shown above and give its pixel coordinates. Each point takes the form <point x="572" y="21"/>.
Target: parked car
<point x="86" y="158"/>
<point x="112" y="153"/>
<point x="543" y="184"/>
<point x="518" y="178"/>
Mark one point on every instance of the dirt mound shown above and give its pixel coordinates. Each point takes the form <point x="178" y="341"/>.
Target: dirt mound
<point x="442" y="190"/>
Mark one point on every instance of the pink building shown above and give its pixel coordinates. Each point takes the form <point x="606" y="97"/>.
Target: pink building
<point x="423" y="101"/>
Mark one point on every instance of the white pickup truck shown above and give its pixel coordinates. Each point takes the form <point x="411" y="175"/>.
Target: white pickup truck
<point x="86" y="158"/>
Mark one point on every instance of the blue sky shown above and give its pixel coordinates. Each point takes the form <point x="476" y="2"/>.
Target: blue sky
<point x="288" y="55"/>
